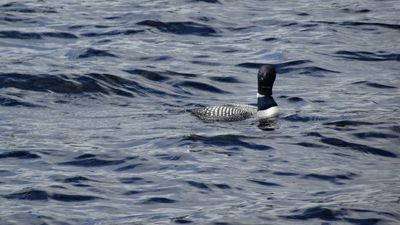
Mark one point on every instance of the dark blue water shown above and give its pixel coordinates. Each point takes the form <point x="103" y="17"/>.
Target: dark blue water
<point x="92" y="129"/>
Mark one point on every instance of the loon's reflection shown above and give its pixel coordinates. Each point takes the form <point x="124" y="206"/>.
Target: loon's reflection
<point x="268" y="124"/>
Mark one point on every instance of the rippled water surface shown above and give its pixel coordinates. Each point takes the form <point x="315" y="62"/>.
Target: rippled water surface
<point x="93" y="128"/>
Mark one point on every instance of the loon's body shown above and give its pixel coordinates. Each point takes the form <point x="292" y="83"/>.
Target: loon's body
<point x="266" y="106"/>
<point x="225" y="113"/>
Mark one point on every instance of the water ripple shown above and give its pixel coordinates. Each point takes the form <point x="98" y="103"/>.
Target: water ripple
<point x="40" y="195"/>
<point x="224" y="140"/>
<point x="90" y="52"/>
<point x="180" y="28"/>
<point x="19" y="155"/>
<point x="92" y="162"/>
<point x="356" y="24"/>
<point x="368" y="56"/>
<point x="354" y="146"/>
<point x="35" y="35"/>
<point x="112" y="33"/>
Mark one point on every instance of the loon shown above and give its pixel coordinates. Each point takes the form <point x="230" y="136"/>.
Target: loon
<point x="266" y="108"/>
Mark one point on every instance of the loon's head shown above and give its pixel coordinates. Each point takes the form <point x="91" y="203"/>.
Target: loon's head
<point x="266" y="78"/>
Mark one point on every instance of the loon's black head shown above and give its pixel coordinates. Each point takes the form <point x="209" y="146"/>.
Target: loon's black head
<point x="266" y="79"/>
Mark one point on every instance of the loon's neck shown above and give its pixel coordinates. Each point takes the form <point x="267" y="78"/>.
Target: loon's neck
<point x="265" y="102"/>
<point x="266" y="107"/>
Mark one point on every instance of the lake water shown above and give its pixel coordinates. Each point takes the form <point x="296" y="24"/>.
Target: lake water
<point x="93" y="128"/>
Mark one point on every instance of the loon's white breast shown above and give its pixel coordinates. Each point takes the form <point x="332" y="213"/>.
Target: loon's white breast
<point x="268" y="113"/>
